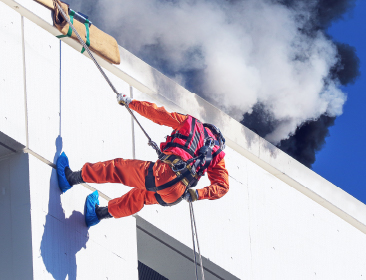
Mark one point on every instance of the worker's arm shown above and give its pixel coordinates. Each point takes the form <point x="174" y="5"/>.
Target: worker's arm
<point x="157" y="114"/>
<point x="219" y="178"/>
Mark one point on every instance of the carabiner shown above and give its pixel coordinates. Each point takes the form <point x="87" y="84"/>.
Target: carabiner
<point x="179" y="166"/>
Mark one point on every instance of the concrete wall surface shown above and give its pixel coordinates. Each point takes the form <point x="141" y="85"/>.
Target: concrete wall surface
<point x="279" y="220"/>
<point x="15" y="218"/>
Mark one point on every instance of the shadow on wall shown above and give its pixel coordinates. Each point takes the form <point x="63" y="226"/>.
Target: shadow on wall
<point x="62" y="237"/>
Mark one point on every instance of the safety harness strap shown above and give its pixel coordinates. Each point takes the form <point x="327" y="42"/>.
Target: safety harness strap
<point x="195" y="141"/>
<point x="190" y="133"/>
<point x="150" y="179"/>
<point x="209" y="155"/>
<point x="216" y="153"/>
<point x="163" y="203"/>
<point x="171" y="144"/>
<point x="185" y="177"/>
<point x="160" y="200"/>
<point x="179" y="135"/>
<point x="86" y="23"/>
<point x="69" y="32"/>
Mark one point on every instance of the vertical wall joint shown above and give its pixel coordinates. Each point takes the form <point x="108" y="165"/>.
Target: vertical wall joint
<point x="24" y="83"/>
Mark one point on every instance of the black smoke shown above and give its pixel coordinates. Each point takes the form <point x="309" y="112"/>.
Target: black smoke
<point x="324" y="12"/>
<point x="347" y="70"/>
<point x="309" y="138"/>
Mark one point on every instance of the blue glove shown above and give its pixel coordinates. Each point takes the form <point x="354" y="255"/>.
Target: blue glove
<point x="191" y="195"/>
<point x="123" y="99"/>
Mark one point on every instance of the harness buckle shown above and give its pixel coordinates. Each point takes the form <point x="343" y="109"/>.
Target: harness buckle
<point x="210" y="142"/>
<point x="179" y="166"/>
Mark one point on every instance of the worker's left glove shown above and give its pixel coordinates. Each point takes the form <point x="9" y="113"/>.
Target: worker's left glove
<point x="123" y="99"/>
<point x="191" y="195"/>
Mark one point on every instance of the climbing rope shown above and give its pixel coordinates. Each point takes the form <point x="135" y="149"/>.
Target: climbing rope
<point x="150" y="143"/>
<point x="85" y="47"/>
<point x="195" y="234"/>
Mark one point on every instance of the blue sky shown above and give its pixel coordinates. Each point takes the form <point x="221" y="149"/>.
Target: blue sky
<point x="342" y="161"/>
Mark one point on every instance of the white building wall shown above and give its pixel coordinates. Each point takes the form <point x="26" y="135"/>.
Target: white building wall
<point x="12" y="122"/>
<point x="279" y="220"/>
<point x="15" y="229"/>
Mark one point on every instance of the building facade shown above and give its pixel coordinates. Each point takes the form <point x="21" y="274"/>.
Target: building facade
<point x="280" y="220"/>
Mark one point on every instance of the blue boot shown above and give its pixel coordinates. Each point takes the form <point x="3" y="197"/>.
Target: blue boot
<point x="66" y="177"/>
<point x="62" y="163"/>
<point x="91" y="218"/>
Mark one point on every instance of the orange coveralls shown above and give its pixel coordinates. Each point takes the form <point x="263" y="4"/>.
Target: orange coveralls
<point x="132" y="173"/>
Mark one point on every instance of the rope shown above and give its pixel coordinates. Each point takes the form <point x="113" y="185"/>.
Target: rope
<point x="194" y="233"/>
<point x="150" y="143"/>
<point x="194" y="243"/>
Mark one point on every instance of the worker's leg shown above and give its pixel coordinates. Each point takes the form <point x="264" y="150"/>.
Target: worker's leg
<point x="128" y="204"/>
<point x="128" y="172"/>
<point x="131" y="203"/>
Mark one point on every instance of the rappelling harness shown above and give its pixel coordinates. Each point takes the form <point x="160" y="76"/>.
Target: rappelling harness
<point x="189" y="171"/>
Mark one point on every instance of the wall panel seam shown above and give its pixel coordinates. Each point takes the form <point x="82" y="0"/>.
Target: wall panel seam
<point x="25" y="83"/>
<point x="250" y="236"/>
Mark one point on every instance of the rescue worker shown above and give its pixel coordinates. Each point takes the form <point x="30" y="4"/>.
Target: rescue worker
<point x="185" y="153"/>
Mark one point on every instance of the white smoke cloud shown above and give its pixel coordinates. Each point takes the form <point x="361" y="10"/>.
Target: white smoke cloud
<point x="249" y="51"/>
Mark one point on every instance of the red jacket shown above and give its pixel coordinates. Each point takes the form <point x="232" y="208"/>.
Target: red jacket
<point x="217" y="173"/>
<point x="187" y="140"/>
